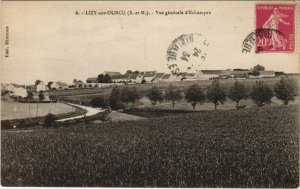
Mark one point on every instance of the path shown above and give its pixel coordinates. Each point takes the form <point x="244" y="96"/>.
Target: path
<point x="90" y="111"/>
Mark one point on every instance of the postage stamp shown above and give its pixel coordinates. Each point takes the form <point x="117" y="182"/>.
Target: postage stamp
<point x="279" y="22"/>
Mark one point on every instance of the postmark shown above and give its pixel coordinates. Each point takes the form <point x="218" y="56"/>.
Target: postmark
<point x="186" y="53"/>
<point x="277" y="24"/>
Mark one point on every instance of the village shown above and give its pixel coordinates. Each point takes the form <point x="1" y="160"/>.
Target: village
<point x="113" y="78"/>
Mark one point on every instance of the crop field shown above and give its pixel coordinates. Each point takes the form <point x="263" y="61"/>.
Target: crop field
<point x="255" y="147"/>
<point x="15" y="110"/>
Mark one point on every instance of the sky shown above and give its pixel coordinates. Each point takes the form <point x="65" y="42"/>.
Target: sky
<point x="48" y="41"/>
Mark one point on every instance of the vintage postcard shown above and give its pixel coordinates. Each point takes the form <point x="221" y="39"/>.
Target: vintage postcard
<point x="150" y="94"/>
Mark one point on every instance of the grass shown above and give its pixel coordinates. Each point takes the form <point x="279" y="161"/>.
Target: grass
<point x="15" y="110"/>
<point x="256" y="147"/>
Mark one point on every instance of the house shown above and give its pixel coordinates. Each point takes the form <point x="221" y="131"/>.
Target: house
<point x="157" y="78"/>
<point x="188" y="76"/>
<point x="92" y="80"/>
<point x="239" y="73"/>
<point x="41" y="87"/>
<point x="166" y="78"/>
<point x="54" y="86"/>
<point x="120" y="78"/>
<point x="111" y="73"/>
<point x="78" y="84"/>
<point x="132" y="78"/>
<point x="62" y="85"/>
<point x="146" y="76"/>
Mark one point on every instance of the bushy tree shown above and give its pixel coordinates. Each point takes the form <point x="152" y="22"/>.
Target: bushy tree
<point x="41" y="96"/>
<point x="194" y="94"/>
<point x="49" y="120"/>
<point x="256" y="69"/>
<point x="155" y="95"/>
<point x="115" y="99"/>
<point x="129" y="94"/>
<point x="29" y="95"/>
<point x="104" y="78"/>
<point x="98" y="102"/>
<point x="238" y="92"/>
<point x="261" y="94"/>
<point x="49" y="84"/>
<point x="173" y="94"/>
<point x="286" y="89"/>
<point x="216" y="94"/>
<point x="128" y="72"/>
<point x="37" y="82"/>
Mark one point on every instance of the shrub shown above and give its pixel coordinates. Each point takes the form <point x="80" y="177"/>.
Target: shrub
<point x="261" y="94"/>
<point x="115" y="99"/>
<point x="194" y="94"/>
<point x="286" y="89"/>
<point x="216" y="94"/>
<point x="238" y="92"/>
<point x="155" y="95"/>
<point x="129" y="94"/>
<point x="173" y="94"/>
<point x="49" y="120"/>
<point x="98" y="102"/>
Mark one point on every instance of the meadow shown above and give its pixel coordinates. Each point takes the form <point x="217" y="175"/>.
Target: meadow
<point x="15" y="110"/>
<point x="254" y="147"/>
<point x="86" y="95"/>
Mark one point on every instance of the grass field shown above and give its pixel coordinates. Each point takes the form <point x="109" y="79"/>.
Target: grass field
<point x="85" y="95"/>
<point x="255" y="147"/>
<point x="15" y="110"/>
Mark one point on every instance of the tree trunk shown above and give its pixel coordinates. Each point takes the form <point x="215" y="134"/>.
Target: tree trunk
<point x="215" y="106"/>
<point x="173" y="104"/>
<point x="194" y="106"/>
<point x="237" y="104"/>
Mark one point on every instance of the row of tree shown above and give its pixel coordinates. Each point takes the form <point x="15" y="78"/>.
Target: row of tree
<point x="261" y="94"/>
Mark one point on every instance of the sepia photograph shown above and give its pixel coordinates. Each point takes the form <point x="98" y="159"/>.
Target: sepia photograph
<point x="173" y="94"/>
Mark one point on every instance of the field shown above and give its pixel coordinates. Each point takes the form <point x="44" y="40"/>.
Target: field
<point x="85" y="95"/>
<point x="15" y="110"/>
<point x="255" y="147"/>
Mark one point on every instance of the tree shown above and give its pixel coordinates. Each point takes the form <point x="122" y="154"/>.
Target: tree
<point x="98" y="102"/>
<point x="286" y="89"/>
<point x="129" y="94"/>
<point x="29" y="95"/>
<point x="115" y="99"/>
<point x="135" y="72"/>
<point x="173" y="94"/>
<point x="238" y="92"/>
<point x="155" y="95"/>
<point x="41" y="96"/>
<point x="256" y="69"/>
<point x="49" y="84"/>
<point x="194" y="94"/>
<point x="216" y="94"/>
<point x="49" y="120"/>
<point x="259" y="67"/>
<point x="128" y="72"/>
<point x="261" y="94"/>
<point x="37" y="82"/>
<point x="104" y="78"/>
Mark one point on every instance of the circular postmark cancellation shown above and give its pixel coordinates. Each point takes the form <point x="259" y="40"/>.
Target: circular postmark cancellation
<point x="186" y="53"/>
<point x="260" y="40"/>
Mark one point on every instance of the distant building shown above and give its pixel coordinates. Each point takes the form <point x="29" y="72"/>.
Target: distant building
<point x="92" y="80"/>
<point x="120" y="78"/>
<point x="157" y="78"/>
<point x="146" y="76"/>
<point x="111" y="73"/>
<point x="41" y="87"/>
<point x="132" y="78"/>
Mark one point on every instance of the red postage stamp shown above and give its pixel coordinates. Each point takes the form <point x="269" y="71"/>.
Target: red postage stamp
<point x="275" y="27"/>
